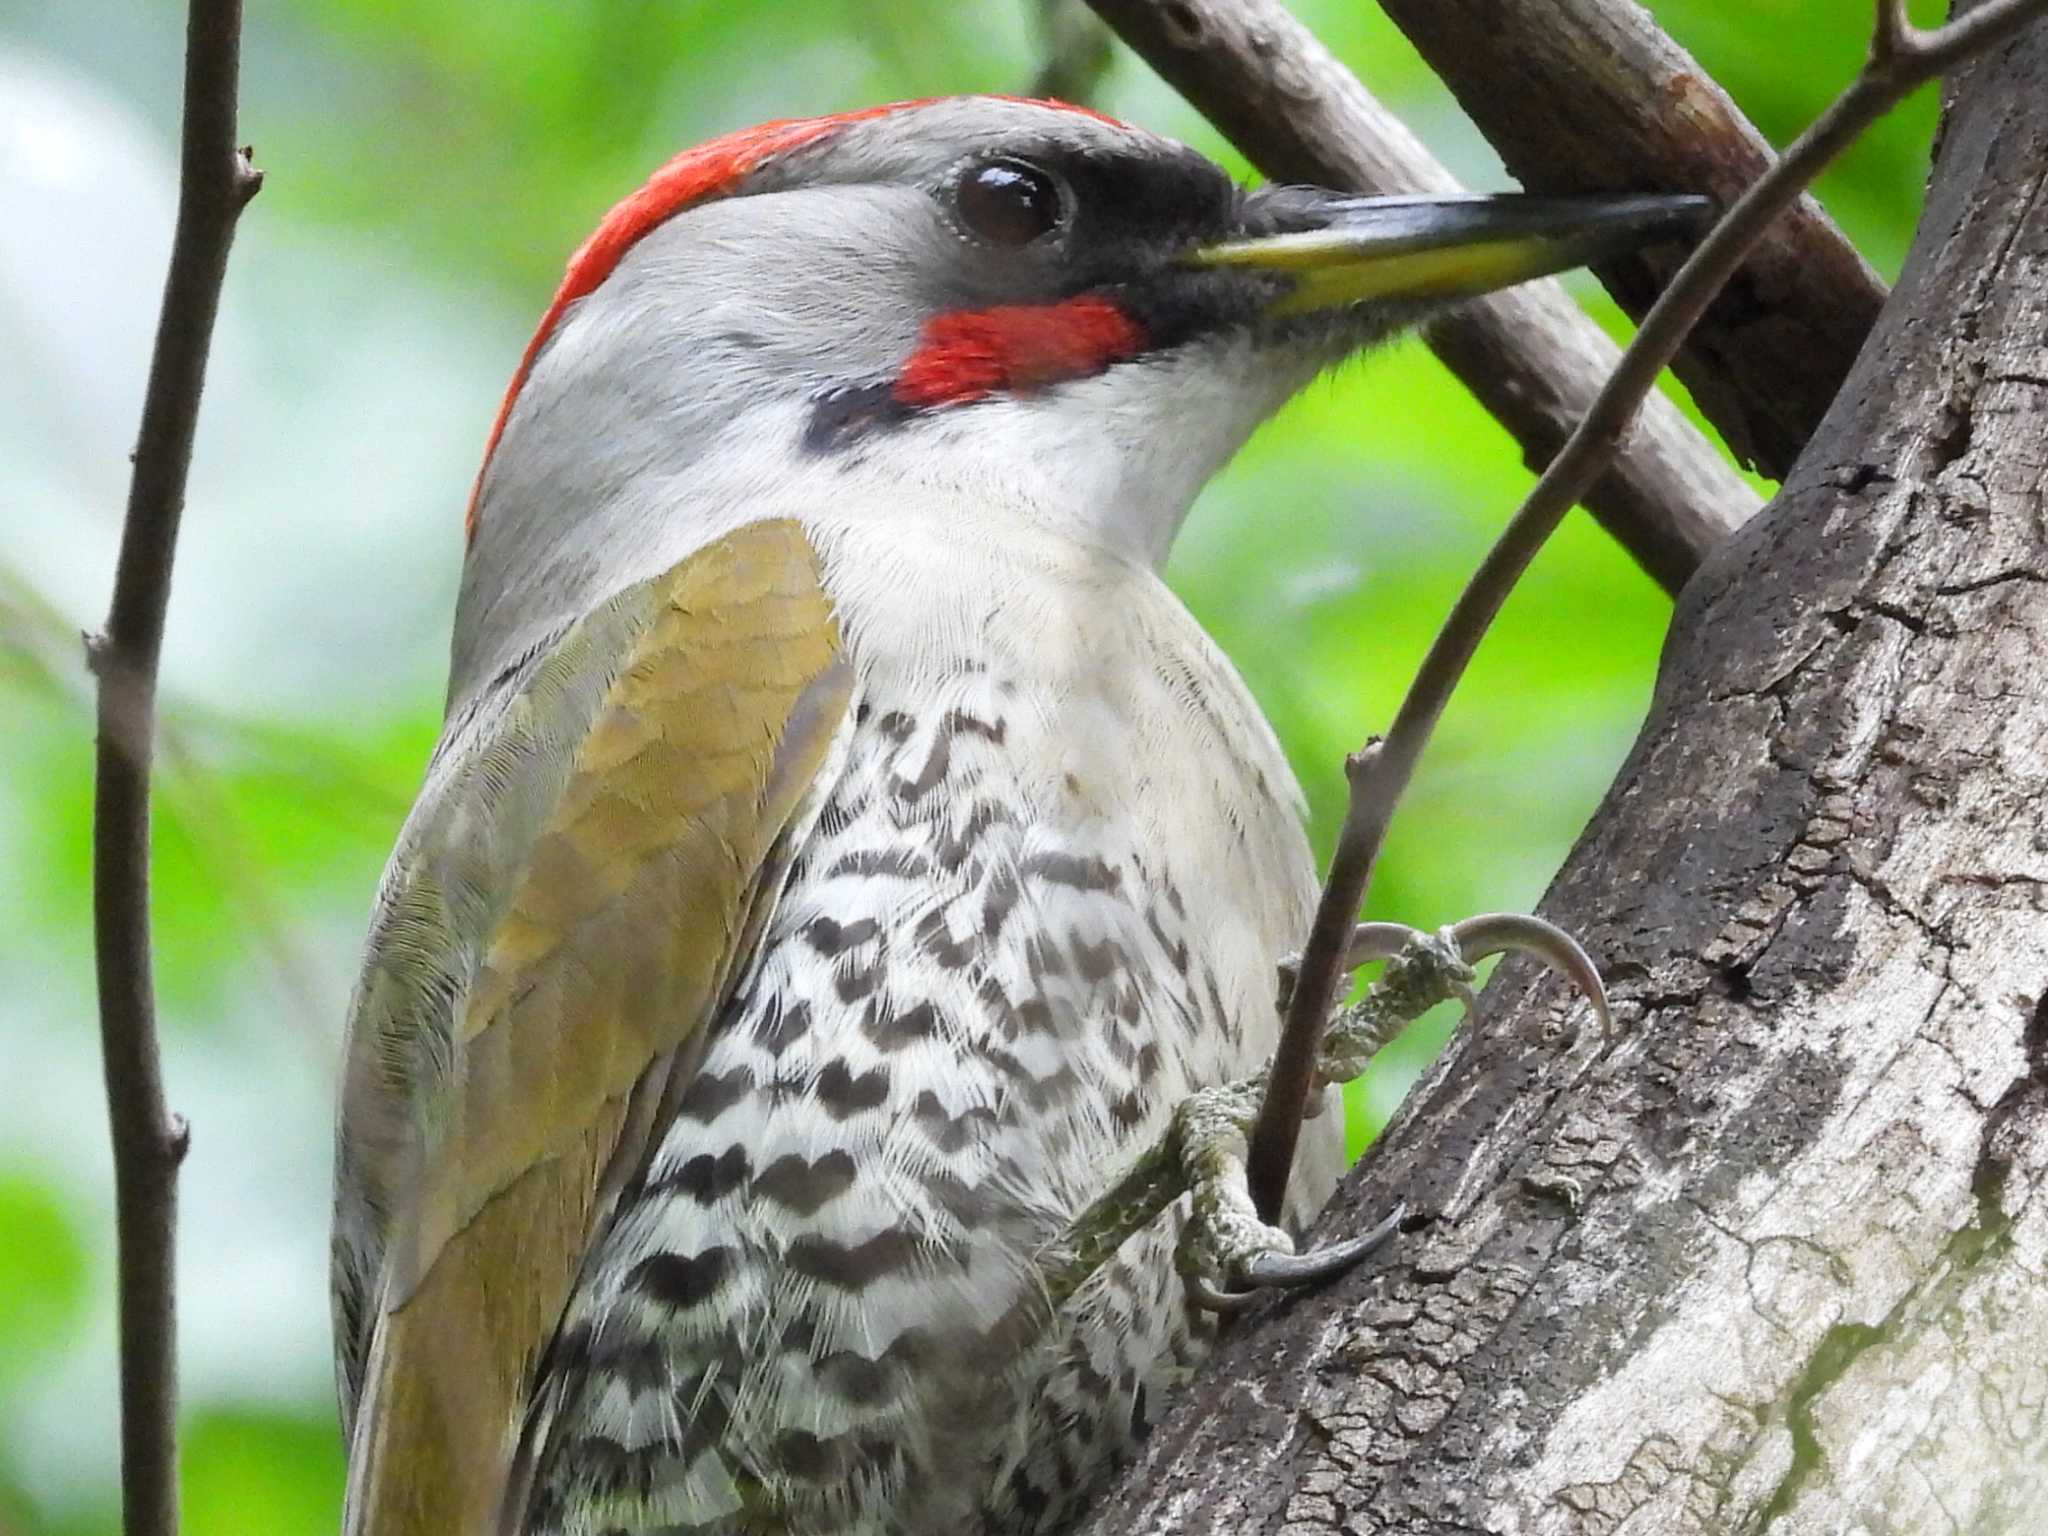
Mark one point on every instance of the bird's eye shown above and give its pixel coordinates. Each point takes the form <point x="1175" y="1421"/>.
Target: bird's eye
<point x="1008" y="203"/>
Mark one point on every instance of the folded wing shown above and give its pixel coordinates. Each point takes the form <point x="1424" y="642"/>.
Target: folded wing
<point x="572" y="898"/>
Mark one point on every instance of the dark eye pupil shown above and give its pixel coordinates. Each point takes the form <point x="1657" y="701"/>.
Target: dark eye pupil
<point x="1006" y="202"/>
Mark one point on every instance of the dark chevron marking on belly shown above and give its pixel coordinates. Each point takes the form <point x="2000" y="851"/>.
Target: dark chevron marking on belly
<point x="801" y="1184"/>
<point x="677" y="1281"/>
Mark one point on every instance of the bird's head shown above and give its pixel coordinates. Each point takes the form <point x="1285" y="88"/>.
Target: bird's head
<point x="971" y="302"/>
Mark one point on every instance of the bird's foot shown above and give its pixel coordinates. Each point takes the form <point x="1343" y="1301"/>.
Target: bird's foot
<point x="1227" y="1253"/>
<point x="1424" y="969"/>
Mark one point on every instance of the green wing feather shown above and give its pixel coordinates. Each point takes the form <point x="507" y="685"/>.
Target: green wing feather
<point x="570" y="902"/>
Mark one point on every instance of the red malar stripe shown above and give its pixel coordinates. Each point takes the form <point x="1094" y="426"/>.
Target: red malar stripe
<point x="971" y="354"/>
<point x="694" y="176"/>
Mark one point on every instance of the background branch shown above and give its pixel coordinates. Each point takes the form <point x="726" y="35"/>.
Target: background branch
<point x="1899" y="61"/>
<point x="1530" y="356"/>
<point x="1076" y="52"/>
<point x="215" y="182"/>
<point x="1580" y="95"/>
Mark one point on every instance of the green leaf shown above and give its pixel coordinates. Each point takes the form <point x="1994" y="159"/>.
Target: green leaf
<point x="249" y="1469"/>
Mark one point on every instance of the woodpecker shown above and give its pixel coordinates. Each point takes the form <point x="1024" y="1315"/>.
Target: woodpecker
<point x="843" y="852"/>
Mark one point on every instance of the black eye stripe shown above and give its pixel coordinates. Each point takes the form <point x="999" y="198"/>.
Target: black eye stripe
<point x="1008" y="202"/>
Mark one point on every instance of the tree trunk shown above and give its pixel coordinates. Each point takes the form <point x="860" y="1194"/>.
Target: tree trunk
<point x="1776" y="1255"/>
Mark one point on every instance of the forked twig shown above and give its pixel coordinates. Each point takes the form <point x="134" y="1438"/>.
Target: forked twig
<point x="216" y="180"/>
<point x="1901" y="58"/>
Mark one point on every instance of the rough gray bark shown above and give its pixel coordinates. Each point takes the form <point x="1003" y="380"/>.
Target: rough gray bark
<point x="1776" y="1255"/>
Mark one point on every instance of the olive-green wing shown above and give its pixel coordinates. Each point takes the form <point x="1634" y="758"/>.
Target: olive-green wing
<point x="569" y="904"/>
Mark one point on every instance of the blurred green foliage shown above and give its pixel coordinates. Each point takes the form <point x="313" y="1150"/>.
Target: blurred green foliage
<point x="452" y="152"/>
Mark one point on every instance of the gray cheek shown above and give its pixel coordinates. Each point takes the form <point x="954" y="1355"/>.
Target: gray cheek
<point x="815" y="286"/>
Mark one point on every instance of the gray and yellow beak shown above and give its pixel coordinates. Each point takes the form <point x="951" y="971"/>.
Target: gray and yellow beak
<point x="1340" y="250"/>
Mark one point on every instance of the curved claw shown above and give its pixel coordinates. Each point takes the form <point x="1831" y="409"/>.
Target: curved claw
<point x="1287" y="1271"/>
<point x="1494" y="933"/>
<point x="1379" y="941"/>
<point x="1204" y="1295"/>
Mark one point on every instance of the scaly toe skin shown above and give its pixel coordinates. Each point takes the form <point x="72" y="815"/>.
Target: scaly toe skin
<point x="1424" y="969"/>
<point x="1368" y="942"/>
<point x="1224" y="1232"/>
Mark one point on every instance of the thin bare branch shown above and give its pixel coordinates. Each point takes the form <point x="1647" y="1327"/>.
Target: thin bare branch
<point x="216" y="181"/>
<point x="1890" y="28"/>
<point x="1379" y="774"/>
<point x="1911" y="56"/>
<point x="1581" y="95"/>
<point x="1530" y="356"/>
